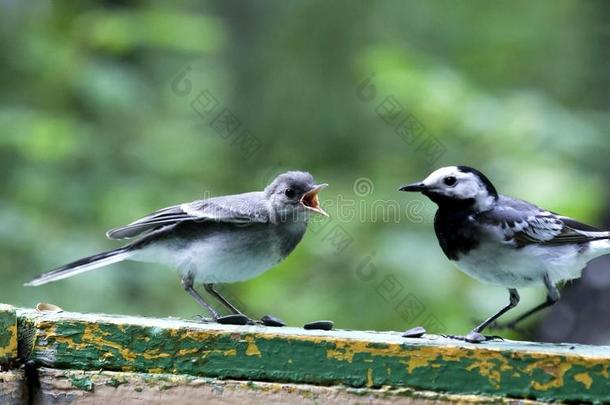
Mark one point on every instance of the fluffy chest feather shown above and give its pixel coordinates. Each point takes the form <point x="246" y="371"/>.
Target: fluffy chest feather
<point x="510" y="267"/>
<point x="486" y="253"/>
<point x="225" y="253"/>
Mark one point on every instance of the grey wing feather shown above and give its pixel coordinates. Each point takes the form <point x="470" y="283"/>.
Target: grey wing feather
<point x="239" y="209"/>
<point x="526" y="224"/>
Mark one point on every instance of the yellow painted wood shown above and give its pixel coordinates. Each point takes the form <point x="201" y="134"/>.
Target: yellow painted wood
<point x="94" y="387"/>
<point x="360" y="360"/>
<point x="8" y="334"/>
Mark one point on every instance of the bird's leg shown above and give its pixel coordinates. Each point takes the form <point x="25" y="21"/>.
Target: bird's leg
<point x="475" y="336"/>
<point x="187" y="284"/>
<point x="210" y="288"/>
<point x="237" y="318"/>
<point x="551" y="299"/>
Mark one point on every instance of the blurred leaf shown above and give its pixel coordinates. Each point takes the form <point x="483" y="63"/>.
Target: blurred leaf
<point x="164" y="28"/>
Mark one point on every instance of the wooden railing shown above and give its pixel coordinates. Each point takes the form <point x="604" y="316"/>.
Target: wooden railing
<point x="100" y="358"/>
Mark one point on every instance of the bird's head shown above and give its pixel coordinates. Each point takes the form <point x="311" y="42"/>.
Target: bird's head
<point x="294" y="193"/>
<point x="460" y="186"/>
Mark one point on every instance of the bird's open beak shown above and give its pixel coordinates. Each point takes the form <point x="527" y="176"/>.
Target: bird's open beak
<point x="415" y="187"/>
<point x="310" y="199"/>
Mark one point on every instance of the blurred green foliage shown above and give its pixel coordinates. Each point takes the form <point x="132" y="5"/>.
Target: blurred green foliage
<point x="92" y="136"/>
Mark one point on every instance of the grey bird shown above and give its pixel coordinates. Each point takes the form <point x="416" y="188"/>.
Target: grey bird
<point x="504" y="241"/>
<point x="216" y="240"/>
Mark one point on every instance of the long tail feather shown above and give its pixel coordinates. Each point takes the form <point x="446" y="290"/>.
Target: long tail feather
<point x="81" y="266"/>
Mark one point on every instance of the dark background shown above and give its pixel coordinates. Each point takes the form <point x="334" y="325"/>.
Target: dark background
<point x="110" y="110"/>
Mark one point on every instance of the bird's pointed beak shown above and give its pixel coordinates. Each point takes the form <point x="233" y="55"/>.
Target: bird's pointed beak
<point x="310" y="199"/>
<point x="415" y="187"/>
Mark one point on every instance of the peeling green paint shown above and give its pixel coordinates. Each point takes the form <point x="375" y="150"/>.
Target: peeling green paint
<point x="115" y="382"/>
<point x="153" y="385"/>
<point x="8" y="334"/>
<point x="355" y="359"/>
<point x="82" y="383"/>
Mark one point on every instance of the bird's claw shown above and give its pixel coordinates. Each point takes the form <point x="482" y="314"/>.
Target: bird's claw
<point x="234" y="319"/>
<point x="203" y="319"/>
<point x="241" y="319"/>
<point x="476" y="337"/>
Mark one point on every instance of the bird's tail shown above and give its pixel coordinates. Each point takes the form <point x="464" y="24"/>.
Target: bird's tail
<point x="81" y="266"/>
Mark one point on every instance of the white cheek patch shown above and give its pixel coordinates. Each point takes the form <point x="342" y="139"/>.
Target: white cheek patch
<point x="436" y="178"/>
<point x="468" y="186"/>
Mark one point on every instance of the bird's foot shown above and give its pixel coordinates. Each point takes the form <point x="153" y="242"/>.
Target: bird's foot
<point x="474" y="337"/>
<point x="233" y="319"/>
<point x="269" y="320"/>
<point x="203" y="319"/>
<point x="241" y="319"/>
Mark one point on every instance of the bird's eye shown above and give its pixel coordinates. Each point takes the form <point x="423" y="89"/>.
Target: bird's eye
<point x="450" y="181"/>
<point x="289" y="193"/>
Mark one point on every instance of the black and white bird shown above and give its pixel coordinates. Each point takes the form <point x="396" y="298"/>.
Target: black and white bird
<point x="216" y="240"/>
<point x="504" y="241"/>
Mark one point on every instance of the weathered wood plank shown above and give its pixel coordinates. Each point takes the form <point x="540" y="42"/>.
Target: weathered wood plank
<point x="8" y="335"/>
<point x="93" y="387"/>
<point x="355" y="359"/>
<point x="13" y="390"/>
